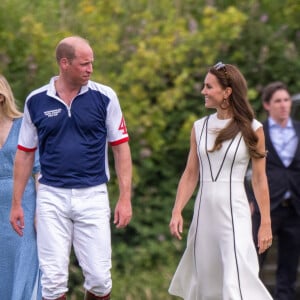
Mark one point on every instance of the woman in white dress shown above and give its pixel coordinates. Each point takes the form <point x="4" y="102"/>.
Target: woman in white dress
<point x="220" y="260"/>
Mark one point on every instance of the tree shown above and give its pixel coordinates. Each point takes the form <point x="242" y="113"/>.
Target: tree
<point x="155" y="55"/>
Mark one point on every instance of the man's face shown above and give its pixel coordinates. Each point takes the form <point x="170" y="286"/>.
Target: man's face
<point x="279" y="107"/>
<point x="80" y="68"/>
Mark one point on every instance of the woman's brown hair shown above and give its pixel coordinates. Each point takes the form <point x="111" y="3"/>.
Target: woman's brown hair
<point x="243" y="114"/>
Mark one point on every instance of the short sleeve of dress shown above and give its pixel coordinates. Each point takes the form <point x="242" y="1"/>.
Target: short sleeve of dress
<point x="256" y="124"/>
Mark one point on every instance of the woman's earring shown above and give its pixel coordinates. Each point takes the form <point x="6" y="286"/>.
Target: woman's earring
<point x="224" y="104"/>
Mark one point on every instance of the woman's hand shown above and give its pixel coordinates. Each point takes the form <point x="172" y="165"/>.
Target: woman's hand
<point x="176" y="225"/>
<point x="264" y="237"/>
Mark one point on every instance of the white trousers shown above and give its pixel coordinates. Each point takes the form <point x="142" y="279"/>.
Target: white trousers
<point x="78" y="217"/>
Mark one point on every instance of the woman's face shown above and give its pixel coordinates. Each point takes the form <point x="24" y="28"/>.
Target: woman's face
<point x="214" y="93"/>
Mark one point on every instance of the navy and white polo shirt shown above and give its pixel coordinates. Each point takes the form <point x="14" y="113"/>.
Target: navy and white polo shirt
<point x="72" y="140"/>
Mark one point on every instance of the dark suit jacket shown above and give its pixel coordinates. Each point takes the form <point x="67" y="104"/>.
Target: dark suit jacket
<point x="281" y="178"/>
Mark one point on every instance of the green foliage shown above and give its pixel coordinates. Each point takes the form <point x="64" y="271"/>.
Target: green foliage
<point x="155" y="55"/>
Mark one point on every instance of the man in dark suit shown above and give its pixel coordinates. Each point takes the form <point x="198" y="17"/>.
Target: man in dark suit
<point x="282" y="136"/>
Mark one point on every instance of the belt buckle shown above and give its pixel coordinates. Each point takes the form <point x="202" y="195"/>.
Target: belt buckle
<point x="286" y="203"/>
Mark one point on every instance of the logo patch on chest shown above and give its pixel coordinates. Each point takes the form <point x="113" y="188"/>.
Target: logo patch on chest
<point x="52" y="113"/>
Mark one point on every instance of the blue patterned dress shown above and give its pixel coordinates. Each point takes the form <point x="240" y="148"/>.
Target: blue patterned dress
<point x="18" y="255"/>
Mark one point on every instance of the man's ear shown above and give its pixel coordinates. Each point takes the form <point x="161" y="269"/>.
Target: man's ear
<point x="64" y="62"/>
<point x="266" y="106"/>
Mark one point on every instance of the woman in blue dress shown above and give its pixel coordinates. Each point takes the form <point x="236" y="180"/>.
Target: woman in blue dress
<point x="19" y="269"/>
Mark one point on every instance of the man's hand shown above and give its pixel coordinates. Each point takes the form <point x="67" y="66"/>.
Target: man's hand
<point x="123" y="214"/>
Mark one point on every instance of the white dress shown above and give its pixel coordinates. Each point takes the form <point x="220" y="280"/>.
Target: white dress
<point x="220" y="260"/>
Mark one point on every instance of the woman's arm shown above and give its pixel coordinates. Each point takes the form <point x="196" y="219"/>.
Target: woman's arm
<point x="186" y="187"/>
<point x="261" y="192"/>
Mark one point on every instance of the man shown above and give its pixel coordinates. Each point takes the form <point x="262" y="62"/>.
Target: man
<point x="283" y="171"/>
<point x="71" y="120"/>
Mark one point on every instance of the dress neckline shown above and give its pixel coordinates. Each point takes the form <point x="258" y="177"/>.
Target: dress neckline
<point x="215" y="116"/>
<point x="8" y="135"/>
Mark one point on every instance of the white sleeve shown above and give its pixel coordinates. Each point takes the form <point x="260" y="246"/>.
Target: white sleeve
<point x="115" y="122"/>
<point x="256" y="124"/>
<point x="28" y="139"/>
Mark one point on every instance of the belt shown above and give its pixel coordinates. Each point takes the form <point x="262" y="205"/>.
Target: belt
<point x="286" y="202"/>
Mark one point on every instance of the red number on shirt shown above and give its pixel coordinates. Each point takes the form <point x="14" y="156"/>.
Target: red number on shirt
<point x="123" y="126"/>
